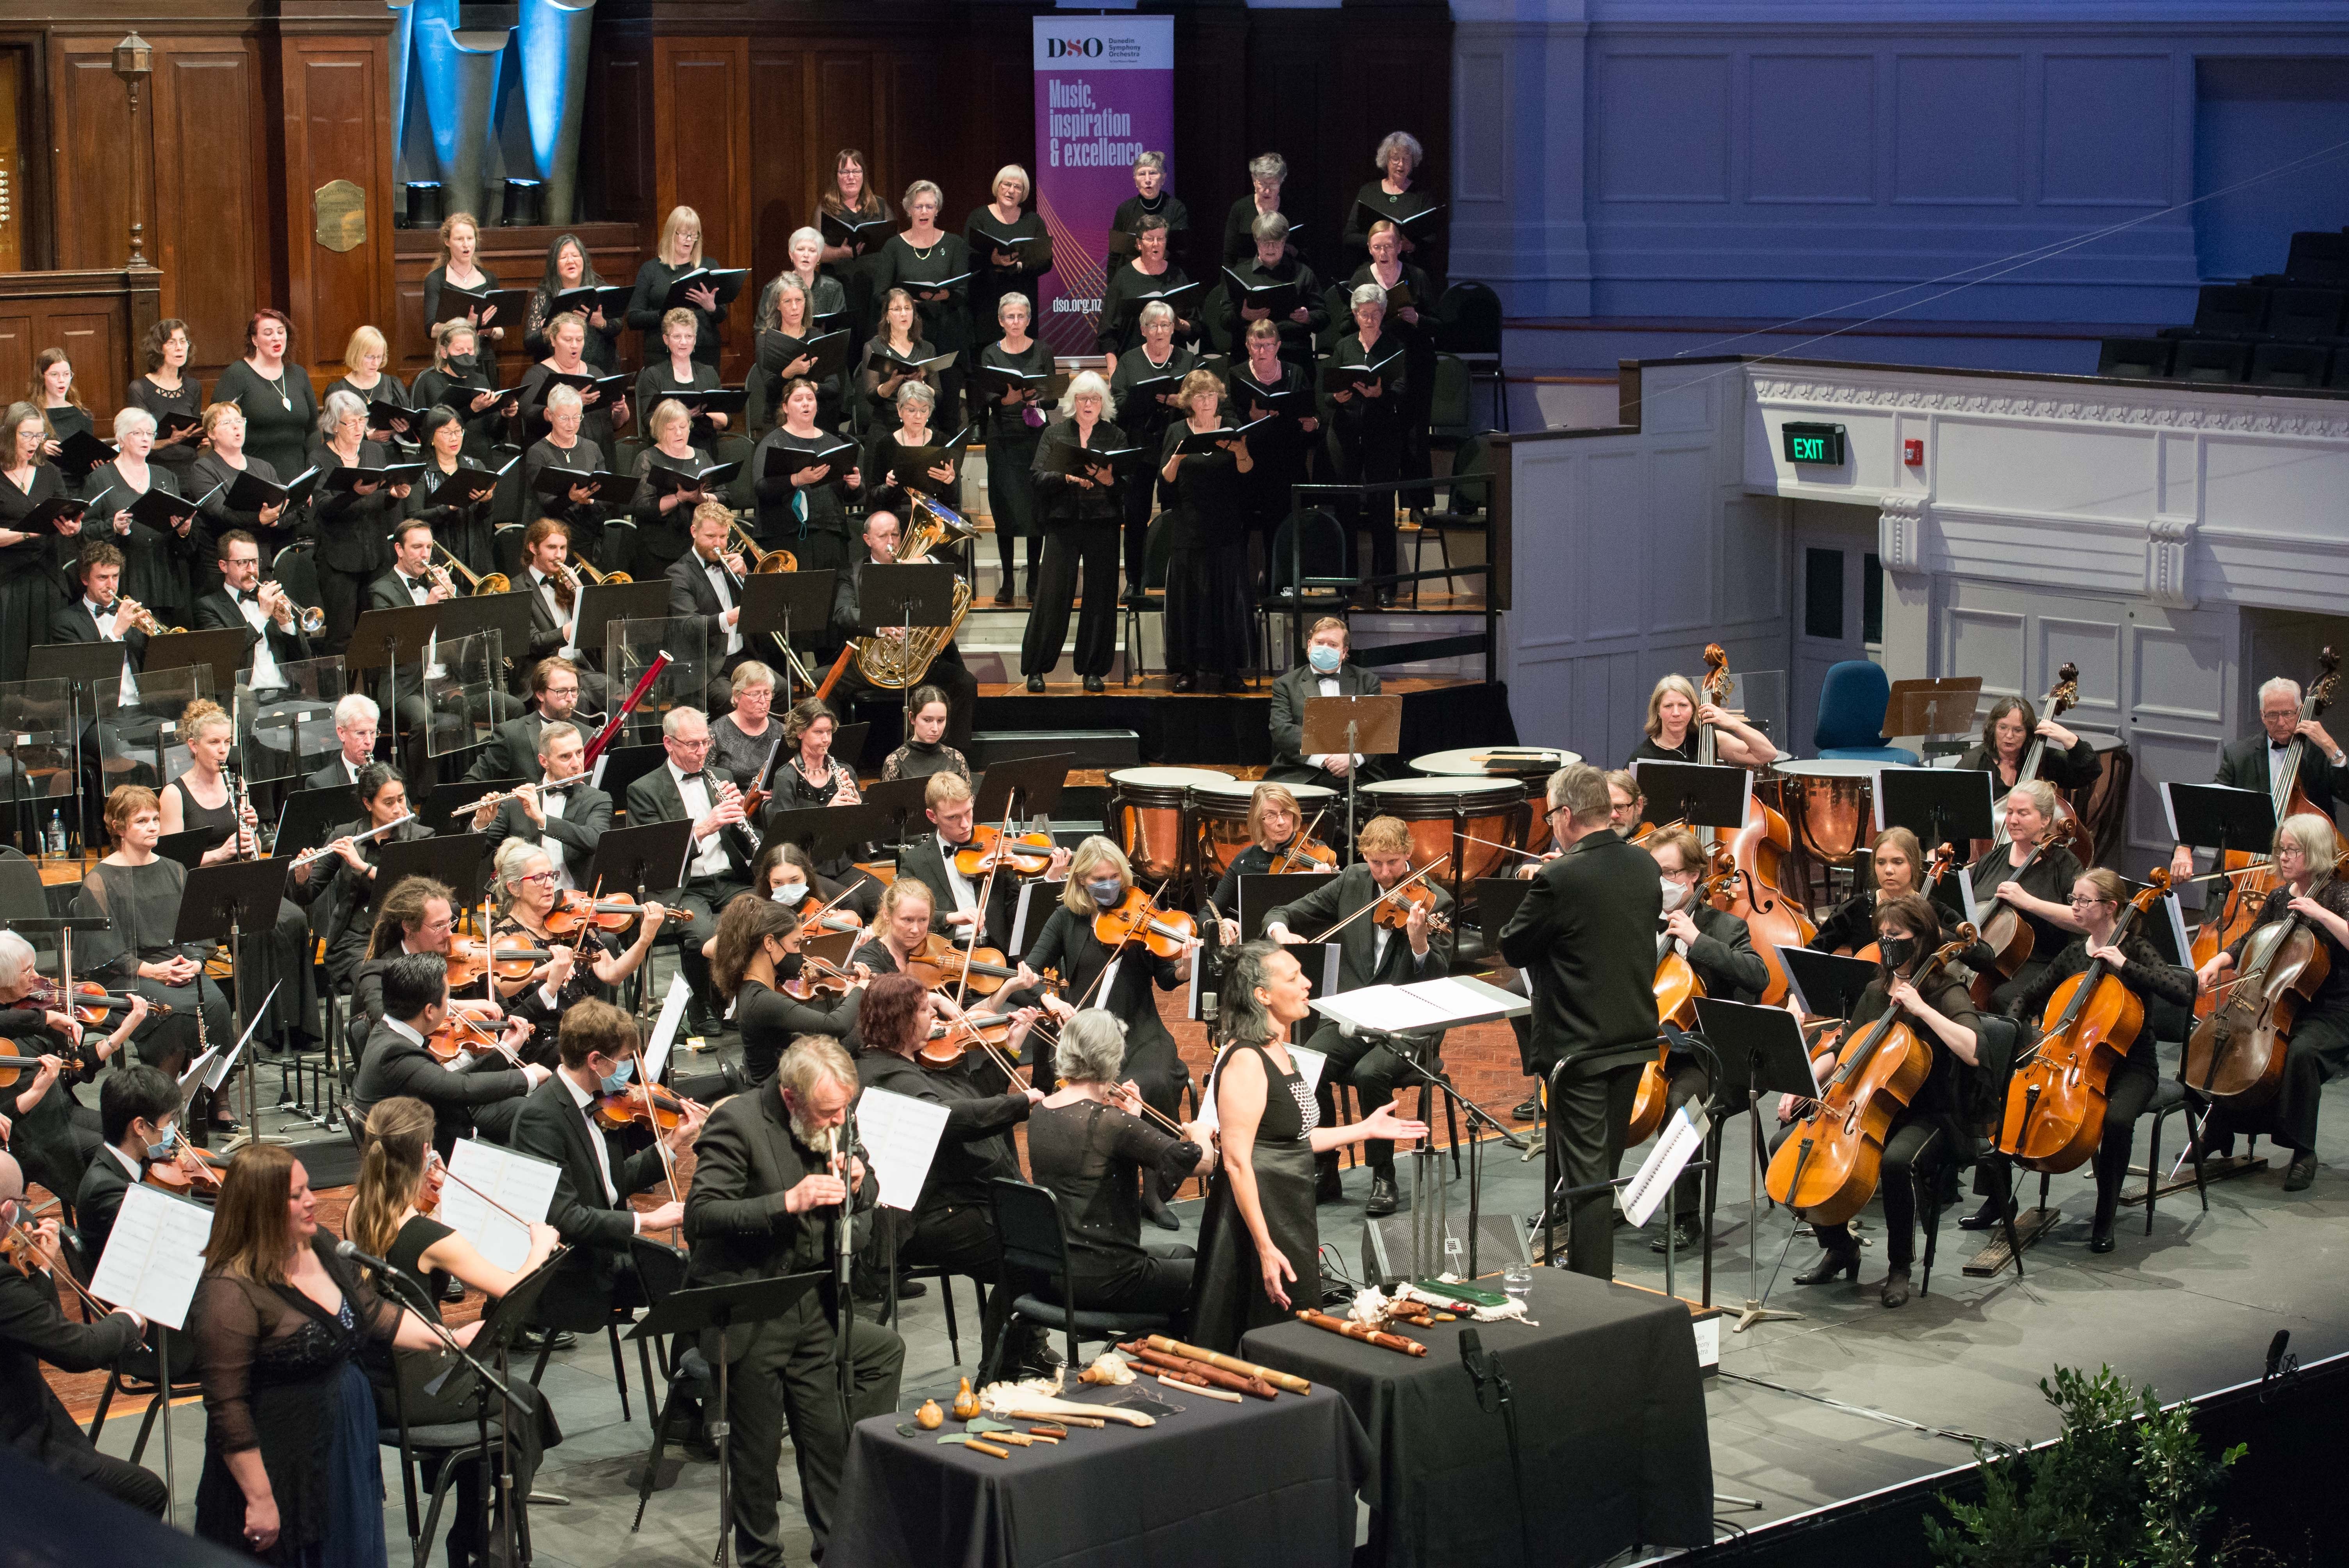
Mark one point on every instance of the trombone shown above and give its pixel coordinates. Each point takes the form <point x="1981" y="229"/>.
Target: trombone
<point x="797" y="668"/>
<point x="475" y="582"/>
<point x="577" y="565"/>
<point x="762" y="561"/>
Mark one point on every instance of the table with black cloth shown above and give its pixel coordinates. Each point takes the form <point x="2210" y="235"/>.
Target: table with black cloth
<point x="1258" y="1483"/>
<point x="1610" y="1419"/>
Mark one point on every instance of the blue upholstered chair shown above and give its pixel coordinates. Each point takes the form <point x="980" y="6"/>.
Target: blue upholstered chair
<point x="1852" y="700"/>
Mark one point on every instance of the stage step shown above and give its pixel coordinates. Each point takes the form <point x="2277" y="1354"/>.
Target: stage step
<point x="2030" y="1225"/>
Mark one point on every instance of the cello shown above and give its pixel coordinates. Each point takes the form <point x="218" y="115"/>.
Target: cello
<point x="2237" y="1054"/>
<point x="2056" y="1100"/>
<point x="1828" y="1169"/>
<point x="1677" y="990"/>
<point x="2240" y="909"/>
<point x="2007" y="933"/>
<point x="2067" y="830"/>
<point x="1755" y="861"/>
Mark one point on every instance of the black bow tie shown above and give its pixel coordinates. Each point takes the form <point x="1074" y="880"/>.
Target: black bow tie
<point x="2278" y="746"/>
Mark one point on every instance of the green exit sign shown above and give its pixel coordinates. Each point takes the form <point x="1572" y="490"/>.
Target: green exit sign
<point x="1814" y="444"/>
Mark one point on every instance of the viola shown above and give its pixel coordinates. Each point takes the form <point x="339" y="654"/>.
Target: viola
<point x="1393" y="907"/>
<point x="512" y="956"/>
<point x="190" y="1173"/>
<point x="1027" y="855"/>
<point x="573" y="912"/>
<point x="641" y="1105"/>
<point x="21" y="1247"/>
<point x="938" y="961"/>
<point x="949" y="1043"/>
<point x="2056" y="1101"/>
<point x="1136" y="917"/>
<point x="2237" y="1054"/>
<point x="818" y="980"/>
<point x="1303" y="854"/>
<point x="2239" y="910"/>
<point x="14" y="1064"/>
<point x="1828" y="1167"/>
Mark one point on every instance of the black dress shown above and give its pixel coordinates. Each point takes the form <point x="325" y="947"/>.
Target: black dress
<point x="1418" y="340"/>
<point x="989" y="283"/>
<point x="212" y="471"/>
<point x="771" y="1021"/>
<point x="602" y="349"/>
<point x="140" y="905"/>
<point x="663" y="536"/>
<point x="1121" y="318"/>
<point x="585" y="519"/>
<point x="1210" y="623"/>
<point x="1227" y="1296"/>
<point x="2049" y="877"/>
<point x="650" y="303"/>
<point x="945" y="323"/>
<point x="812" y="522"/>
<point x="1011" y="437"/>
<point x="281" y="413"/>
<point x="444" y="389"/>
<point x="157" y="569"/>
<point x="1094" y="1159"/>
<point x="888" y="445"/>
<point x="281" y="1375"/>
<point x="1283" y="450"/>
<point x="1081" y="545"/>
<point x="1355" y="239"/>
<point x="387" y="389"/>
<point x="658" y="382"/>
<point x="32" y="571"/>
<point x="484" y="345"/>
<point x="1068" y="943"/>
<point x="1368" y="437"/>
<point x="1297" y="338"/>
<point x="275" y="964"/>
<point x="1127" y="219"/>
<point x="779" y="349"/>
<point x="354" y="540"/>
<point x="876" y="409"/>
<point x="463" y="527"/>
<point x="187" y="403"/>
<point x="595" y="422"/>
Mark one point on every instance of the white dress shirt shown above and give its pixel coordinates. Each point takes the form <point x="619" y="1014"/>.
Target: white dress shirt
<point x="265" y="673"/>
<point x="583" y="1100"/>
<point x="965" y="896"/>
<point x="1329" y="685"/>
<point x="710" y="858"/>
<point x="419" y="592"/>
<point x="109" y="628"/>
<point x="551" y="802"/>
<point x="545" y="587"/>
<point x="715" y="572"/>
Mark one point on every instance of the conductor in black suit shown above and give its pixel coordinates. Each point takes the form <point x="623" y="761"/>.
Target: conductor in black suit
<point x="717" y="860"/>
<point x="1585" y="938"/>
<point x="2258" y="763"/>
<point x="1325" y="672"/>
<point x="596" y="1174"/>
<point x="569" y="822"/>
<point x="1369" y="955"/>
<point x="32" y="1329"/>
<point x="484" y="1094"/>
<point x="953" y="897"/>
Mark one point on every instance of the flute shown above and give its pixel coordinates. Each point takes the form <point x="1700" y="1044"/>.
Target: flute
<point x="503" y="796"/>
<point x="356" y="838"/>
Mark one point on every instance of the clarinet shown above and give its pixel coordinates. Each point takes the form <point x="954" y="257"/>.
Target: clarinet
<point x="712" y="783"/>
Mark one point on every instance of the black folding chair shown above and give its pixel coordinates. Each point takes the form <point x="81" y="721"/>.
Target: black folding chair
<point x="1027" y="1228"/>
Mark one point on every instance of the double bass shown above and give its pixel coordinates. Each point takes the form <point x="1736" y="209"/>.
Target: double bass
<point x="2246" y="893"/>
<point x="1747" y="871"/>
<point x="2237" y="1054"/>
<point x="1828" y="1169"/>
<point x="2056" y="1101"/>
<point x="2067" y="830"/>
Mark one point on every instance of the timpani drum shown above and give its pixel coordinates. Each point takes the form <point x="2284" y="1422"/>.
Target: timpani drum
<point x="1149" y="815"/>
<point x="1220" y="811"/>
<point x="1442" y="813"/>
<point x="1830" y="804"/>
<point x="1529" y="765"/>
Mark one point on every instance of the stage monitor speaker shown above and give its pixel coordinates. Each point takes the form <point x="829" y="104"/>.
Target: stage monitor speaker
<point x="1386" y="1246"/>
<point x="1093" y="747"/>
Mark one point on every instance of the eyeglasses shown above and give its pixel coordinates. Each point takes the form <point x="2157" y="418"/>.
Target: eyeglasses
<point x="534" y="877"/>
<point x="2077" y="901"/>
<point x="683" y="745"/>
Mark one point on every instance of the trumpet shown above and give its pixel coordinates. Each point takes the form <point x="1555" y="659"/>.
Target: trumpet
<point x="142" y="617"/>
<point x="312" y="618"/>
<point x="475" y="582"/>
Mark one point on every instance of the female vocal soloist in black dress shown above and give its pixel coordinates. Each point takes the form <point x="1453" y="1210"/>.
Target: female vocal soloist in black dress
<point x="281" y="407"/>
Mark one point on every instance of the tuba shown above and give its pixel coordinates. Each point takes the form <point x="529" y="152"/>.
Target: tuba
<point x="896" y="665"/>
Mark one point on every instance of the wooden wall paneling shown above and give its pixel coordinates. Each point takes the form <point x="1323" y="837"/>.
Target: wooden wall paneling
<point x="701" y="117"/>
<point x="1214" y="94"/>
<point x="783" y="155"/>
<point x="841" y="111"/>
<point x="85" y="313"/>
<point x="206" y="240"/>
<point x="89" y="124"/>
<point x="616" y="165"/>
<point x="518" y="256"/>
<point x="335" y="128"/>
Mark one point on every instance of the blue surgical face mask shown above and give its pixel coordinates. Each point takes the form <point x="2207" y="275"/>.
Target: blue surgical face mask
<point x="790" y="894"/>
<point x="615" y="1082"/>
<point x="1106" y="893"/>
<point x="1324" y="658"/>
<point x="162" y="1150"/>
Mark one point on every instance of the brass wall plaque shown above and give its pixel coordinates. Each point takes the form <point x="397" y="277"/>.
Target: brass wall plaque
<point x="340" y="208"/>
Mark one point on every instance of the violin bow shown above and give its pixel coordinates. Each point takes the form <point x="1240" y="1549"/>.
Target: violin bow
<point x="1385" y="895"/>
<point x="985" y="901"/>
<point x="32" y="1244"/>
<point x="660" y="1140"/>
<point x="1289" y="850"/>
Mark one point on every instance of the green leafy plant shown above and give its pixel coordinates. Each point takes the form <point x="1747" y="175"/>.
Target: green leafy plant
<point x="2127" y="1486"/>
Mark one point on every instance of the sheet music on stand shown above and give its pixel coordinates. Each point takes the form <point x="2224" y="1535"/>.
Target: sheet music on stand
<point x="196" y="1069"/>
<point x="1440" y="1004"/>
<point x="900" y="1135"/>
<point x="155" y="1255"/>
<point x="672" y="1014"/>
<point x="1683" y="1135"/>
<point x="514" y="1182"/>
<point x="227" y="1064"/>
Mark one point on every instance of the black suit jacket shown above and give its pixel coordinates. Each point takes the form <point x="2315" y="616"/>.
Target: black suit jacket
<point x="94" y="1206"/>
<point x="392" y="1065"/>
<point x="1298" y="685"/>
<point x="586" y="813"/>
<point x="1722" y="957"/>
<point x="924" y="861"/>
<point x="1358" y="960"/>
<point x="690" y="595"/>
<point x="746" y="1160"/>
<point x="550" y="1127"/>
<point x="654" y="799"/>
<point x="512" y="751"/>
<point x="2244" y="766"/>
<point x="218" y="611"/>
<point x="33" y="1330"/>
<point x="73" y="623"/>
<point x="1585" y="938"/>
<point x="390" y="592"/>
<point x="331" y="777"/>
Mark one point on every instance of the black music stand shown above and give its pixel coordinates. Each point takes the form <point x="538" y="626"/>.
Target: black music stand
<point x="384" y="640"/>
<point x="448" y="801"/>
<point x="1827" y="984"/>
<point x="1764" y="1046"/>
<point x="306" y="815"/>
<point x="697" y="1310"/>
<point x="910" y="596"/>
<point x="221" y="650"/>
<point x="2216" y="818"/>
<point x="826" y="832"/>
<point x="190" y="847"/>
<point x="602" y="603"/>
<point x="774" y="602"/>
<point x="1694" y="795"/>
<point x="86" y="667"/>
<point x="460" y="859"/>
<point x="1030" y="786"/>
<point x="901" y="801"/>
<point x="646" y="858"/>
<point x="621" y="766"/>
<point x="1261" y="892"/>
<point x="1496" y="904"/>
<point x="847" y="746"/>
<point x="248" y="893"/>
<point x="1363" y="726"/>
<point x="1940" y="805"/>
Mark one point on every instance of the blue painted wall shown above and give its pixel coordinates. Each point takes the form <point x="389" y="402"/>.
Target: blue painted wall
<point x="1764" y="160"/>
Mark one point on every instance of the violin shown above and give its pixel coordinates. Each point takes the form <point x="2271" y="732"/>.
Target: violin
<point x="817" y="980"/>
<point x="939" y="962"/>
<point x="462" y="1036"/>
<point x="2056" y="1100"/>
<point x="1303" y="853"/>
<point x="92" y="1002"/>
<point x="190" y="1173"/>
<point x="641" y="1105"/>
<point x="1027" y="855"/>
<point x="1136" y="917"/>
<point x="2240" y="911"/>
<point x="1393" y="907"/>
<point x="21" y="1246"/>
<point x="573" y="912"/>
<point x="949" y="1043"/>
<point x="2237" y="1054"/>
<point x="1828" y="1167"/>
<point x="512" y="957"/>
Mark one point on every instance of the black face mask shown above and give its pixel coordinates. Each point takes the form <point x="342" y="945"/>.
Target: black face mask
<point x="464" y="364"/>
<point x="1897" y="950"/>
<point x="789" y="967"/>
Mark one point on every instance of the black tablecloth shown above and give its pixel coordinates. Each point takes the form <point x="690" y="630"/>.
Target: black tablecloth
<point x="1610" y="1416"/>
<point x="1271" y="1482"/>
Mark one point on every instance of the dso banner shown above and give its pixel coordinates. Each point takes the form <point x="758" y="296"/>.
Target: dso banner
<point x="1105" y="95"/>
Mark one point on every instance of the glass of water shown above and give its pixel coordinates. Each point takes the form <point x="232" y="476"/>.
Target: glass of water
<point x="1517" y="1280"/>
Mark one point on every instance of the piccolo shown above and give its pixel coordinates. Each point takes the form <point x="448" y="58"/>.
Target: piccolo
<point x="356" y="838"/>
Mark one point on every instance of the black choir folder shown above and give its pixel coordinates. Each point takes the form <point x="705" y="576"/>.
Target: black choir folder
<point x="830" y="351"/>
<point x="725" y="282"/>
<point x="1280" y="298"/>
<point x="1354" y="378"/>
